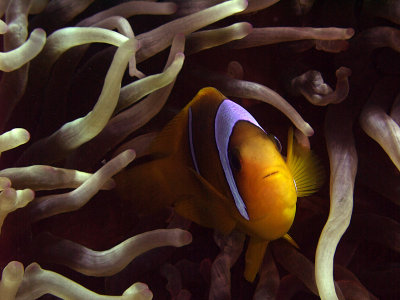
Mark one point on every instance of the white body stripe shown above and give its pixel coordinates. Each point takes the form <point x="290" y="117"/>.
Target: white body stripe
<point x="191" y="140"/>
<point x="228" y="114"/>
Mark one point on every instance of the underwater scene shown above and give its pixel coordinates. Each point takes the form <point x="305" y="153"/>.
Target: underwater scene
<point x="199" y="149"/>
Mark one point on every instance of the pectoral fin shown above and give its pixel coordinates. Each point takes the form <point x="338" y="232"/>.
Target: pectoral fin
<point x="254" y="257"/>
<point x="305" y="167"/>
<point x="205" y="207"/>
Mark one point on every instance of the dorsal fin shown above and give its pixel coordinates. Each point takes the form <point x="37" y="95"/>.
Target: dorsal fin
<point x="305" y="167"/>
<point x="169" y="139"/>
<point x="173" y="134"/>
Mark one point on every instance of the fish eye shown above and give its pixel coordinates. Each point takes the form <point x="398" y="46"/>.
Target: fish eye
<point x="277" y="143"/>
<point x="234" y="159"/>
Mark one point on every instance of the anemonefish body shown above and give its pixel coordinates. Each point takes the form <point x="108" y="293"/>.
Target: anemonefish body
<point x="217" y="167"/>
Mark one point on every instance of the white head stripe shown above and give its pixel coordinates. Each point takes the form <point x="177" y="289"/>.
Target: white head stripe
<point x="190" y="129"/>
<point x="228" y="114"/>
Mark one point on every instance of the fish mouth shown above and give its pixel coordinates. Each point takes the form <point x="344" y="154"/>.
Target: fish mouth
<point x="271" y="174"/>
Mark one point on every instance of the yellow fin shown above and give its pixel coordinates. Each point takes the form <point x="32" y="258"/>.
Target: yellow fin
<point x="254" y="257"/>
<point x="305" y="167"/>
<point x="206" y="209"/>
<point x="291" y="240"/>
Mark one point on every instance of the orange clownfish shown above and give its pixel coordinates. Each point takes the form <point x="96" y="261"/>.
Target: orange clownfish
<point x="217" y="167"/>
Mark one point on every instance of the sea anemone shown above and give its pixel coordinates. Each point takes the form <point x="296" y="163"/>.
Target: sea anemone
<point x="91" y="82"/>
